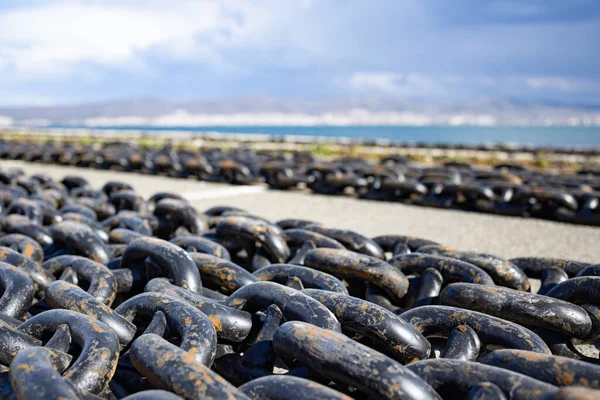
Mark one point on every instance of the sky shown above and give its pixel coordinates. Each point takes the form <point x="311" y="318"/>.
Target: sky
<point x="66" y="52"/>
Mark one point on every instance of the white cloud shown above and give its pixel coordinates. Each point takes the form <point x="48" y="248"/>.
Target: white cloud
<point x="52" y="39"/>
<point x="425" y="85"/>
<point x="10" y="97"/>
<point x="397" y="83"/>
<point x="562" y="84"/>
<point x="381" y="81"/>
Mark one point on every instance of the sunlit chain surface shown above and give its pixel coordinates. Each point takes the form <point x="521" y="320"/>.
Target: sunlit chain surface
<point x="108" y="293"/>
<point x="505" y="189"/>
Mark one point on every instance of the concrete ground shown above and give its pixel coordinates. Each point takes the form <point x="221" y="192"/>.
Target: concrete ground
<point x="504" y="236"/>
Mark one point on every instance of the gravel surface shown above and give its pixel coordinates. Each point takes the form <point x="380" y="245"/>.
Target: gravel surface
<point x="504" y="236"/>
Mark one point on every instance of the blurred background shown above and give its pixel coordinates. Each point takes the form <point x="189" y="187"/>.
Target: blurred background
<point x="431" y="70"/>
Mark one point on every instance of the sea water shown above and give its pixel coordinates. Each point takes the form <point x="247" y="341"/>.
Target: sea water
<point x="576" y="136"/>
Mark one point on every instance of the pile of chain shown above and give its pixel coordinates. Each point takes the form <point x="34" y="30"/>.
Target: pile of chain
<point x="109" y="295"/>
<point x="505" y="189"/>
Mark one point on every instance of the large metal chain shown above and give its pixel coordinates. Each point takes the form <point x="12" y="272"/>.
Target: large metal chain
<point x="108" y="295"/>
<point x="505" y="189"/>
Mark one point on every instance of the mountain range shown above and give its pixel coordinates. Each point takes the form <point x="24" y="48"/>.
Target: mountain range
<point x="364" y="110"/>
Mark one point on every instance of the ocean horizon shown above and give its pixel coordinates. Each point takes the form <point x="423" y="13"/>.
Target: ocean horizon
<point x="554" y="136"/>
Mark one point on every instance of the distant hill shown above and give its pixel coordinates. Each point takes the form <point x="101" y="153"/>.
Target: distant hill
<point x="366" y="110"/>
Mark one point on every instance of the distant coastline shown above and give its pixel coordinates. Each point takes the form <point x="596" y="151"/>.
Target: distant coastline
<point x="553" y="136"/>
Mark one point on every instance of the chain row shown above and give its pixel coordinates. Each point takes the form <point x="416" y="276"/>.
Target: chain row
<point x="505" y="189"/>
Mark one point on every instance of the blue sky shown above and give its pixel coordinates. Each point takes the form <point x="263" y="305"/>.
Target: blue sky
<point x="57" y="52"/>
